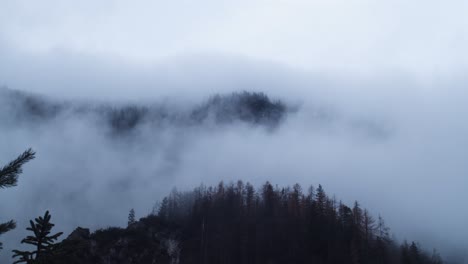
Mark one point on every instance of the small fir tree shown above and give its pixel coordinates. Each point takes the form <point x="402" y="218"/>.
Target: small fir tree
<point x="43" y="242"/>
<point x="131" y="217"/>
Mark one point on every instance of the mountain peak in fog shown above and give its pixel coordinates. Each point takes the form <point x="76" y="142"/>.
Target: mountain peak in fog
<point x="254" y="108"/>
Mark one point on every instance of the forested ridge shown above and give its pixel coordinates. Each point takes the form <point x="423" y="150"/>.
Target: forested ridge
<point x="228" y="223"/>
<point x="254" y="108"/>
<point x="236" y="223"/>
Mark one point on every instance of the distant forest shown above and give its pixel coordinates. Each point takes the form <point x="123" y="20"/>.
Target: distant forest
<point x="232" y="223"/>
<point x="237" y="224"/>
<point x="253" y="108"/>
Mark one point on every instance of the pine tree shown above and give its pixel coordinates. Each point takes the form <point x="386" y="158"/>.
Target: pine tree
<point x="382" y="240"/>
<point x="42" y="240"/>
<point x="131" y="217"/>
<point x="9" y="178"/>
<point x="163" y="211"/>
<point x="415" y="253"/>
<point x="321" y="199"/>
<point x="435" y="258"/>
<point x="405" y="255"/>
<point x="382" y="230"/>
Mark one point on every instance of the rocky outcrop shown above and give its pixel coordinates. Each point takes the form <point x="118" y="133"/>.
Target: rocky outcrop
<point x="79" y="234"/>
<point x="147" y="241"/>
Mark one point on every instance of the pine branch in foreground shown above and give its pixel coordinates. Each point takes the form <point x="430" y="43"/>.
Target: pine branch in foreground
<point x="9" y="173"/>
<point x="9" y="178"/>
<point x="5" y="227"/>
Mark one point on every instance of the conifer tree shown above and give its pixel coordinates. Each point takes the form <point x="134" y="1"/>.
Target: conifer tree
<point x="321" y="199"/>
<point x="42" y="240"/>
<point x="9" y="178"/>
<point x="436" y="259"/>
<point x="131" y="217"/>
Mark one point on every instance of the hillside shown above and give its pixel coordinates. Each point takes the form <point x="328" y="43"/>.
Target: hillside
<point x="237" y="224"/>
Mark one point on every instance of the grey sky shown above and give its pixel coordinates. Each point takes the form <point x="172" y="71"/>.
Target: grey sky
<point x="359" y="36"/>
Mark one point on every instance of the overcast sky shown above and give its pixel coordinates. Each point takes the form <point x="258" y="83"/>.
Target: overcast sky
<point x="359" y="36"/>
<point x="398" y="63"/>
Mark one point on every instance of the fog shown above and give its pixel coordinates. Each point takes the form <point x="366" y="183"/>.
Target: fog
<point x="373" y="117"/>
<point x="399" y="153"/>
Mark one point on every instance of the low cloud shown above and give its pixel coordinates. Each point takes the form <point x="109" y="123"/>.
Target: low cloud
<point x="395" y="144"/>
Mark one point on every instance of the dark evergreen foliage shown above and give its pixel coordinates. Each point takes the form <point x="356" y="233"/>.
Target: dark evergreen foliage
<point x="32" y="107"/>
<point x="5" y="227"/>
<point x="42" y="240"/>
<point x="9" y="178"/>
<point x="131" y="217"/>
<point x="126" y="118"/>
<point x="9" y="173"/>
<point x="248" y="107"/>
<point x="236" y="224"/>
<point x="144" y="242"/>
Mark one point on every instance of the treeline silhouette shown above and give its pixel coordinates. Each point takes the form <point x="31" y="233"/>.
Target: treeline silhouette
<point x="237" y="224"/>
<point x="254" y="108"/>
<point x="226" y="224"/>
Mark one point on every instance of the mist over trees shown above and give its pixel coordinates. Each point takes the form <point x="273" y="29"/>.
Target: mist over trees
<point x="234" y="223"/>
<point x="237" y="223"/>
<point x="126" y="100"/>
<point x="253" y="108"/>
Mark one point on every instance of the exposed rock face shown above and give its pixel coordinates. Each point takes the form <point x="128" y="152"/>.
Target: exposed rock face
<point x="79" y="234"/>
<point x="147" y="241"/>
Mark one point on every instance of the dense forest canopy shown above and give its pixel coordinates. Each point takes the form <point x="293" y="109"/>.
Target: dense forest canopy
<point x="237" y="223"/>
